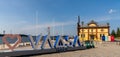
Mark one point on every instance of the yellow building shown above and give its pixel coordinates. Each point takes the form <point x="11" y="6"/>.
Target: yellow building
<point x="92" y="30"/>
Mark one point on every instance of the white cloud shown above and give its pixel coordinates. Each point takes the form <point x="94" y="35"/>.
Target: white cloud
<point x="111" y="11"/>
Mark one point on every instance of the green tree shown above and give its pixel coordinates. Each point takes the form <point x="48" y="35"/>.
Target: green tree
<point x="118" y="32"/>
<point x="113" y="33"/>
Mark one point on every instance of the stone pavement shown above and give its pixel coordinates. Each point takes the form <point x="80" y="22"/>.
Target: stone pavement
<point x="104" y="49"/>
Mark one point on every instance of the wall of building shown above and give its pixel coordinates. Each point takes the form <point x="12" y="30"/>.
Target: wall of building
<point x="98" y="32"/>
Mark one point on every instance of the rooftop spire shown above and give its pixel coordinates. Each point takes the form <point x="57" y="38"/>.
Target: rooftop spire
<point x="78" y="25"/>
<point x="78" y="19"/>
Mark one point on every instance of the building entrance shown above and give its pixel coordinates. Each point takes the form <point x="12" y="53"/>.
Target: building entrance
<point x="92" y="37"/>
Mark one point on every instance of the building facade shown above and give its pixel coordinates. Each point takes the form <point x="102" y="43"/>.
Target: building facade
<point x="92" y="30"/>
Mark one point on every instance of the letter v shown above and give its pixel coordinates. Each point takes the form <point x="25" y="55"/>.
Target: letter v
<point x="34" y="44"/>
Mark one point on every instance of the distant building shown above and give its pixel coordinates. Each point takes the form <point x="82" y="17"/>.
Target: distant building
<point x="92" y="30"/>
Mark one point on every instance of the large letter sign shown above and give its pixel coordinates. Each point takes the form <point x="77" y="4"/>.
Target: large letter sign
<point x="11" y="37"/>
<point x="34" y="45"/>
<point x="59" y="42"/>
<point x="45" y="40"/>
<point x="76" y="41"/>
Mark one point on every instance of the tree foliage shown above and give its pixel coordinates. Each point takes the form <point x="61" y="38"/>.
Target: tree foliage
<point x="116" y="33"/>
<point x="113" y="33"/>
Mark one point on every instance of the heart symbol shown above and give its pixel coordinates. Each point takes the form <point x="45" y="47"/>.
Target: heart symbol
<point x="11" y="36"/>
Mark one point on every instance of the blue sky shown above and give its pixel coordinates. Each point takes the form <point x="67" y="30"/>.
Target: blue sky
<point x="19" y="16"/>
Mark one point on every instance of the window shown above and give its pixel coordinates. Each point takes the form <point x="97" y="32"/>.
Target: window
<point x="83" y="35"/>
<point x="91" y="30"/>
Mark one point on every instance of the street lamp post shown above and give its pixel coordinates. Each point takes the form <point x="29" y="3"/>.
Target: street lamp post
<point x="3" y="42"/>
